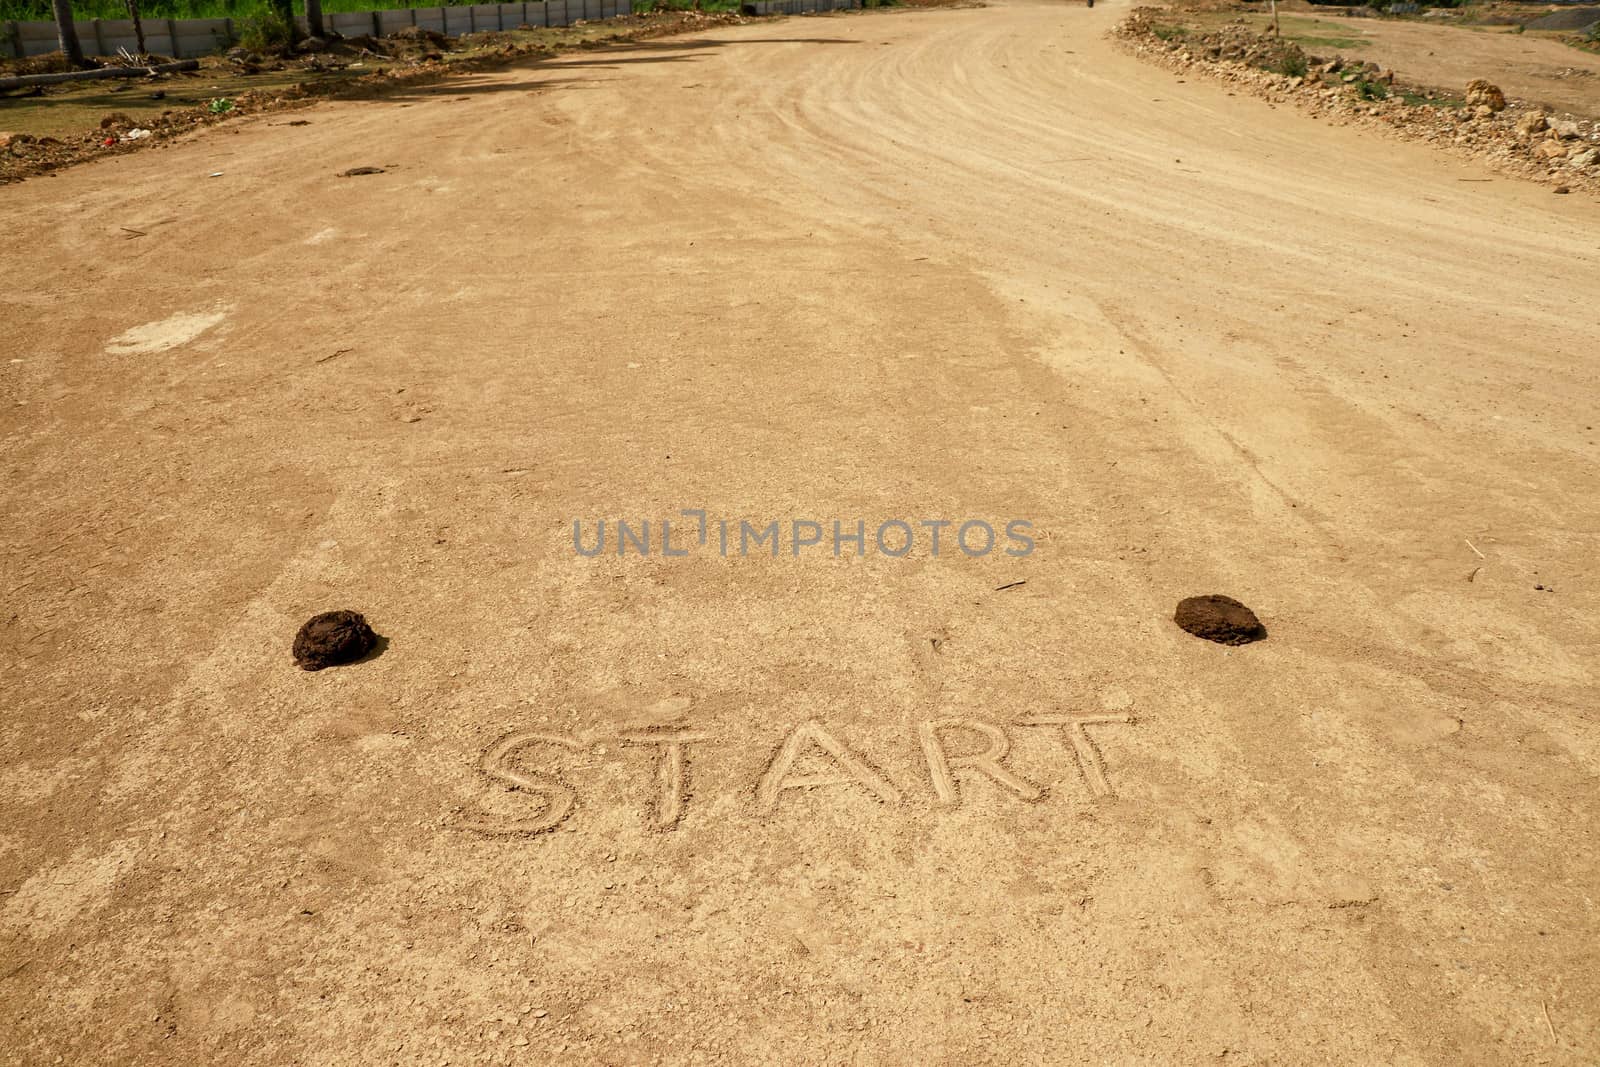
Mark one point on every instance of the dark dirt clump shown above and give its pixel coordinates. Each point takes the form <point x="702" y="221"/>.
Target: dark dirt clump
<point x="1219" y="618"/>
<point x="332" y="638"/>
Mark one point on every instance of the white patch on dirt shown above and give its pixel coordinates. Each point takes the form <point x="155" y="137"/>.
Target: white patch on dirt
<point x="54" y="896"/>
<point x="35" y="782"/>
<point x="379" y="744"/>
<point x="169" y="333"/>
<point x="322" y="235"/>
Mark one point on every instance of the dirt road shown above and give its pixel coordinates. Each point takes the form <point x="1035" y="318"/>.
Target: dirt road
<point x="967" y="265"/>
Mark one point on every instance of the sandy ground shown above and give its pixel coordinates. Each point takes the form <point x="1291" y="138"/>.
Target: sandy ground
<point x="959" y="265"/>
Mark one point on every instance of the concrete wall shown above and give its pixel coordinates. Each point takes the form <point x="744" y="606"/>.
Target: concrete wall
<point x="185" y="38"/>
<point x="798" y="7"/>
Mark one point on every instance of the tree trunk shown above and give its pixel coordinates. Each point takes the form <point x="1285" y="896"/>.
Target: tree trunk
<point x="67" y="33"/>
<point x="97" y="74"/>
<point x="284" y="9"/>
<point x="314" y="17"/>
<point x="138" y="26"/>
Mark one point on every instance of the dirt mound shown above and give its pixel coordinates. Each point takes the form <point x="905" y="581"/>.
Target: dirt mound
<point x="48" y="63"/>
<point x="1244" y="45"/>
<point x="416" y="38"/>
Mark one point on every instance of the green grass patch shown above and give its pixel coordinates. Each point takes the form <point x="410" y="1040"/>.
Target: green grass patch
<point x="1293" y="25"/>
<point x="265" y="32"/>
<point x="1370" y="90"/>
<point x="1309" y="32"/>
<point x="1416" y="99"/>
<point x="1293" y="66"/>
<point x="1325" y="42"/>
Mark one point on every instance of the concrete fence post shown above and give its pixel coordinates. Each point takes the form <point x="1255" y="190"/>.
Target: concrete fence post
<point x="14" y="39"/>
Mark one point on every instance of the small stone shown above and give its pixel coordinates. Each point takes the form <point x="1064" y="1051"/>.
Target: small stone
<point x="1219" y="618"/>
<point x="332" y="638"/>
<point x="1561" y="190"/>
<point x="1531" y="123"/>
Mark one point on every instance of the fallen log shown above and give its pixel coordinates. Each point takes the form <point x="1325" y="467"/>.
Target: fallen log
<point x="21" y="80"/>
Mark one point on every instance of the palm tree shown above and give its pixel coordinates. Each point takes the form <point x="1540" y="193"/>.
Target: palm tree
<point x="68" y="33"/>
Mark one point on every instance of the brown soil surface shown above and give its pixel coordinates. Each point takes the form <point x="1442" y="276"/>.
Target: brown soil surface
<point x="973" y="264"/>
